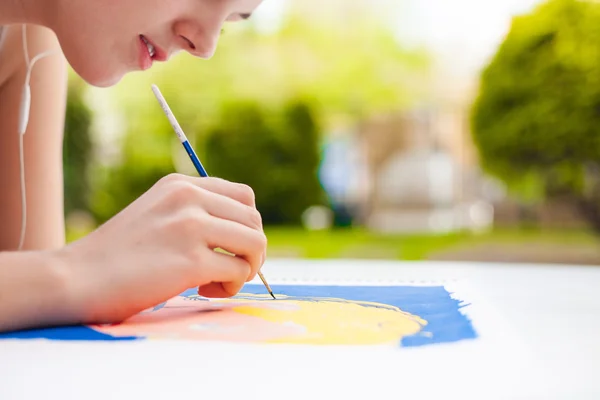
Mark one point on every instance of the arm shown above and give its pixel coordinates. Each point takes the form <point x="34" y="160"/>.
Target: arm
<point x="34" y="291"/>
<point x="157" y="247"/>
<point x="42" y="142"/>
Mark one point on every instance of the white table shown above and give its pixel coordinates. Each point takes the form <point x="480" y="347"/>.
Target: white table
<point x="553" y="312"/>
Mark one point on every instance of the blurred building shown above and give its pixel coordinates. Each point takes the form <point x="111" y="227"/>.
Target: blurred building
<point x="418" y="172"/>
<point x="419" y="168"/>
<point x="424" y="171"/>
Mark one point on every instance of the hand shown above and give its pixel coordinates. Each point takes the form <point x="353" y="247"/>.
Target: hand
<point x="163" y="244"/>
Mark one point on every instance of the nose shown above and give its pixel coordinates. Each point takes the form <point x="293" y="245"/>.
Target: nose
<point x="198" y="41"/>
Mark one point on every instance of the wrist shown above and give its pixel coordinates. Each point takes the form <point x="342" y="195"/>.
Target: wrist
<point x="35" y="291"/>
<point x="62" y="293"/>
<point x="55" y="289"/>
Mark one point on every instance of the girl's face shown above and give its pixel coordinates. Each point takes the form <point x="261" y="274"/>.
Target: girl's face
<point x="105" y="39"/>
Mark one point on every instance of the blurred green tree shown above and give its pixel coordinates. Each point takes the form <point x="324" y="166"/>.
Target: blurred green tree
<point x="77" y="149"/>
<point x="355" y="68"/>
<point x="274" y="152"/>
<point x="146" y="156"/>
<point x="537" y="116"/>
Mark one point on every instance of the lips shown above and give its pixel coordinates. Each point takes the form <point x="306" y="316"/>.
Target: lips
<point x="145" y="59"/>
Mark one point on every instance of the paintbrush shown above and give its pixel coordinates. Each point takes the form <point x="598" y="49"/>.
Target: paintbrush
<point x="192" y="154"/>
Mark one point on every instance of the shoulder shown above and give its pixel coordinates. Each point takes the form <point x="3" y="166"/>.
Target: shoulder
<point x="12" y="56"/>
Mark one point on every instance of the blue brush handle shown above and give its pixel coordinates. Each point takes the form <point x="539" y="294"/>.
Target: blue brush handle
<point x="194" y="158"/>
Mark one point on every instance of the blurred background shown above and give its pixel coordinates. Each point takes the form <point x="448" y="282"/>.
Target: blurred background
<point x="385" y="129"/>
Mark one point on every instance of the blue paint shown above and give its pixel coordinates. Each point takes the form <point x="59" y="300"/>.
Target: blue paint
<point x="190" y="292"/>
<point x="445" y="322"/>
<point x="64" y="333"/>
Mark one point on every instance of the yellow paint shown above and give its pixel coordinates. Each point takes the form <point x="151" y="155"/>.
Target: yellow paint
<point x="333" y="321"/>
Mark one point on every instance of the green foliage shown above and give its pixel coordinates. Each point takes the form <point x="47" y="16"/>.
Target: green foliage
<point x="276" y="153"/>
<point x="146" y="157"/>
<point x="77" y="150"/>
<point x="536" y="118"/>
<point x="238" y="112"/>
<point x="355" y="68"/>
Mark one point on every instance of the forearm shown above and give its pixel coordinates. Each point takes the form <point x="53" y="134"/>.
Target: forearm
<point x="34" y="291"/>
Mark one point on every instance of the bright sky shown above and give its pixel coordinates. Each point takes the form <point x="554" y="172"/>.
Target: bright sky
<point x="463" y="33"/>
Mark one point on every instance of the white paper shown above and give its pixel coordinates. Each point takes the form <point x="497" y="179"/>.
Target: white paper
<point x="498" y="364"/>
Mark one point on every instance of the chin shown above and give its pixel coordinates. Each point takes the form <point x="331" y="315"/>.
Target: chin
<point x="98" y="75"/>
<point x="100" y="79"/>
<point x="105" y="82"/>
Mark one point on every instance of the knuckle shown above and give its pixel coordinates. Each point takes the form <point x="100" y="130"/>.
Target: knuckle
<point x="245" y="269"/>
<point x="261" y="242"/>
<point x="180" y="192"/>
<point x="246" y="193"/>
<point x="187" y="223"/>
<point x="171" y="178"/>
<point x="265" y="240"/>
<point x="244" y="274"/>
<point x="255" y="218"/>
<point x="209" y="182"/>
<point x="196" y="254"/>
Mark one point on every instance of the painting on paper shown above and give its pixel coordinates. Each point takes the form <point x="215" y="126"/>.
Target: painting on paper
<point x="404" y="316"/>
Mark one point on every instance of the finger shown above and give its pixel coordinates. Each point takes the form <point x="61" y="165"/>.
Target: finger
<point x="181" y="192"/>
<point x="216" y="290"/>
<point x="262" y="262"/>
<point x="223" y="275"/>
<point x="236" y="191"/>
<point x="237" y="239"/>
<point x="221" y="206"/>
